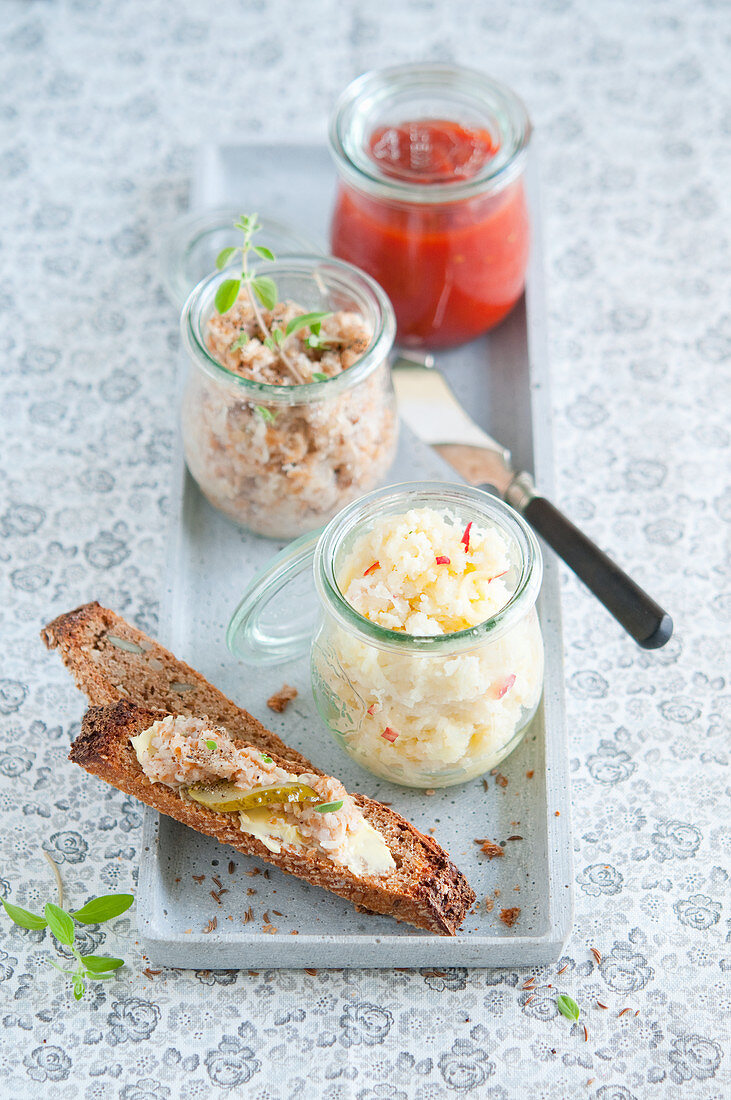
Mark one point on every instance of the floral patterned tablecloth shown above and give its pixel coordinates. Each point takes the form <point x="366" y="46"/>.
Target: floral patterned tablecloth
<point x="101" y="107"/>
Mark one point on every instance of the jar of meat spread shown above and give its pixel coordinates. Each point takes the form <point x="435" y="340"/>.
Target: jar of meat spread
<point x="431" y="200"/>
<point x="427" y="663"/>
<point x="281" y="433"/>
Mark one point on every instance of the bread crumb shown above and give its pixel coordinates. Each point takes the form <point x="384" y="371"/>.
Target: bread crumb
<point x="211" y="926"/>
<point x="490" y="849"/>
<point x="489" y="904"/>
<point x="557" y="813"/>
<point x="530" y="774"/>
<point x="430" y="791"/>
<point x="501" y="780"/>
<point x="509" y="916"/>
<point x="282" y="698"/>
<point x="270" y="929"/>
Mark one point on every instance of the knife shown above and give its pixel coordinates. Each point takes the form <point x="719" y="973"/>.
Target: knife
<point x="429" y="407"/>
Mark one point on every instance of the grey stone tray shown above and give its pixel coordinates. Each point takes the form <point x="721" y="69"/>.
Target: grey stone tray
<point x="502" y="379"/>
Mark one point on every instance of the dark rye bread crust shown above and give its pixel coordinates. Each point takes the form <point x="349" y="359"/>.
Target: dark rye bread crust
<point x="106" y="673"/>
<point x="425" y="889"/>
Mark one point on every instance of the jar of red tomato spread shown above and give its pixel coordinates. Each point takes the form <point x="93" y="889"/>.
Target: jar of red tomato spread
<point x="431" y="201"/>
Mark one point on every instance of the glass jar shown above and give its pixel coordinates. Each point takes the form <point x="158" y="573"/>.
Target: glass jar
<point x="459" y="702"/>
<point x="431" y="200"/>
<point x="283" y="459"/>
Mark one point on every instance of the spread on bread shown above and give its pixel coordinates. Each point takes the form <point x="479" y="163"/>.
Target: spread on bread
<point x="424" y="888"/>
<point x="307" y="811"/>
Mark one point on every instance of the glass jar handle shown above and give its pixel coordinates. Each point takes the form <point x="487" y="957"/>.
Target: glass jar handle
<point x="265" y="632"/>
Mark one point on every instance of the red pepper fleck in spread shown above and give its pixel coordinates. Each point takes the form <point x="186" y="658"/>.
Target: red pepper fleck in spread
<point x="465" y="540"/>
<point x="504" y="687"/>
<point x="372" y="568"/>
<point x="443" y="561"/>
<point x="389" y="734"/>
<point x="497" y="575"/>
<point x="372" y="709"/>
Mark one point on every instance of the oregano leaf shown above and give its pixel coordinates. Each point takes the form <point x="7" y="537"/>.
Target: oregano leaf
<point x="306" y="320"/>
<point x="99" y="964"/>
<point x="567" y="1006"/>
<point x="103" y="908"/>
<point x="241" y="339"/>
<point x="227" y="294"/>
<point x="60" y="924"/>
<point x="329" y="807"/>
<point x="265" y="290"/>
<point x="224" y="256"/>
<point x="24" y="917"/>
<point x="265" y="253"/>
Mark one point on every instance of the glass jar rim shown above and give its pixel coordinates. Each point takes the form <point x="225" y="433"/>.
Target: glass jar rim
<point x="438" y="494"/>
<point x="376" y="86"/>
<point x="348" y="277"/>
<point x="189" y="234"/>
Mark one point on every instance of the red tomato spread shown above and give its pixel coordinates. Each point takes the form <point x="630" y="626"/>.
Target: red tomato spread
<point x="452" y="269"/>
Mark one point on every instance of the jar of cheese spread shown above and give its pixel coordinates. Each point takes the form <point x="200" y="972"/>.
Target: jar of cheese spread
<point x="427" y="660"/>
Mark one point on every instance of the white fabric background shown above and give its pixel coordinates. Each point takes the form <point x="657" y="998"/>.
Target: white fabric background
<point x="101" y="106"/>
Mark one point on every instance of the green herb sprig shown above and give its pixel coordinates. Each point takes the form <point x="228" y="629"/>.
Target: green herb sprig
<point x="261" y="290"/>
<point x="95" y="968"/>
<point x="329" y="807"/>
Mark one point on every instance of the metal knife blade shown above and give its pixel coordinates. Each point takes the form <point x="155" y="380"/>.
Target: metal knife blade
<point x="429" y="407"/>
<point x="431" y="410"/>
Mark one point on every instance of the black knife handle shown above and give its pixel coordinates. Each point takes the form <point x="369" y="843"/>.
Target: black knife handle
<point x="640" y="616"/>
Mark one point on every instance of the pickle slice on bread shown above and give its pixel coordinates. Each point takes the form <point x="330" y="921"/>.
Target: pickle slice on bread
<point x="225" y="797"/>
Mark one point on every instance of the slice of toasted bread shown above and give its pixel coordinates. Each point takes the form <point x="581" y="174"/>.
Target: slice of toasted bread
<point x="425" y="889"/>
<point x="110" y="660"/>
